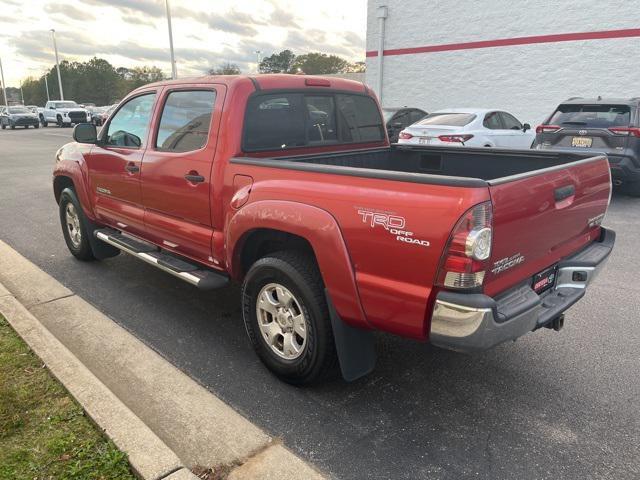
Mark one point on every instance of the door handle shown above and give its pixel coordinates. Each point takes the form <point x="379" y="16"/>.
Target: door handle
<point x="564" y="192"/>
<point x="194" y="177"/>
<point x="132" y="168"/>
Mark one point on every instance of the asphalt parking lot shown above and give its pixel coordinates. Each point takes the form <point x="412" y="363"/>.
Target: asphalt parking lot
<point x="551" y="405"/>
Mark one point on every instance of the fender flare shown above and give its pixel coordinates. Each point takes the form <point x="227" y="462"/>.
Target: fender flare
<point x="73" y="169"/>
<point x="320" y="229"/>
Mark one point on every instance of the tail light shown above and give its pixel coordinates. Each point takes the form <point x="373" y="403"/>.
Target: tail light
<point x="547" y="128"/>
<point x="466" y="257"/>
<point x="405" y="135"/>
<point x="455" y="138"/>
<point x="626" y="131"/>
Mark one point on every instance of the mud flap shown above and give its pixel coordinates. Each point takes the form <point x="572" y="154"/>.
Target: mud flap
<point x="355" y="346"/>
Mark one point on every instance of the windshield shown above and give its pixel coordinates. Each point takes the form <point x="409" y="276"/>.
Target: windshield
<point x="65" y="104"/>
<point x="595" y="116"/>
<point x="18" y="110"/>
<point x="448" y="119"/>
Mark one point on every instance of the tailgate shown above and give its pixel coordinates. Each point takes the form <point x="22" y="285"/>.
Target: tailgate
<point x="543" y="216"/>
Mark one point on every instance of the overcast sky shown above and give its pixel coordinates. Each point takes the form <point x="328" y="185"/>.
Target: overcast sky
<point x="206" y="33"/>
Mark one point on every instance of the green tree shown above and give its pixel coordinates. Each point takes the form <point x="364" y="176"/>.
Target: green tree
<point x="357" y="67"/>
<point x="225" y="69"/>
<point x="278" y="62"/>
<point x="142" y="75"/>
<point x="316" y="63"/>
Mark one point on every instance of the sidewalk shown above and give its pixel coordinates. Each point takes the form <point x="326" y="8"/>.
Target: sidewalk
<point x="166" y="422"/>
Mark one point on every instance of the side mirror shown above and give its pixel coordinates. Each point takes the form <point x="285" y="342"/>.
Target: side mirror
<point x="85" y="133"/>
<point x="526" y="127"/>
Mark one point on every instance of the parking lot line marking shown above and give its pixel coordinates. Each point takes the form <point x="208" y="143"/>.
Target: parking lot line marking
<point x="57" y="135"/>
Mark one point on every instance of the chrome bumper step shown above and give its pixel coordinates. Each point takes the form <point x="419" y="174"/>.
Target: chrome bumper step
<point x="202" y="278"/>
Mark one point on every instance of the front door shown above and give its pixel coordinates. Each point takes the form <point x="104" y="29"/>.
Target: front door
<point x="177" y="170"/>
<point x="114" y="165"/>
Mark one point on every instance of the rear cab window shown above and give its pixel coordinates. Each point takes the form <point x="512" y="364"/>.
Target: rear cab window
<point x="592" y="116"/>
<point x="280" y="121"/>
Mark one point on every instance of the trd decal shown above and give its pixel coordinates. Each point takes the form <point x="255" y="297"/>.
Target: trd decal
<point x="507" y="263"/>
<point x="106" y="191"/>
<point x="394" y="224"/>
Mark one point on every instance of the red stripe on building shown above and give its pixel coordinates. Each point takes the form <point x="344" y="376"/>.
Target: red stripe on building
<point x="507" y="42"/>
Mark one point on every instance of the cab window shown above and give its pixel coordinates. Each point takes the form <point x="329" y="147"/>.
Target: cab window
<point x="185" y="121"/>
<point x="129" y="126"/>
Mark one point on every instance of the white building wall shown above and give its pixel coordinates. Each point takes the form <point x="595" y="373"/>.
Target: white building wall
<point x="527" y="80"/>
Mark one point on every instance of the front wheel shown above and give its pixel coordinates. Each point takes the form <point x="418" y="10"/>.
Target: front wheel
<point x="37" y="125"/>
<point x="287" y="319"/>
<point x="73" y="226"/>
<point x="59" y="121"/>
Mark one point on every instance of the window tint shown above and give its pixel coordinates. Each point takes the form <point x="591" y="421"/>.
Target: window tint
<point x="492" y="121"/>
<point x="510" y="122"/>
<point x="185" y="121"/>
<point x="416" y="115"/>
<point x="321" y="125"/>
<point x="595" y="116"/>
<point x="359" y="119"/>
<point x="129" y="126"/>
<point x="402" y="118"/>
<point x="449" y="119"/>
<point x="289" y="120"/>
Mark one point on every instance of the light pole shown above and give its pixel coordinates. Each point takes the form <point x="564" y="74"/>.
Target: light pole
<point x="258" y="60"/>
<point x="21" y="93"/>
<point x="174" y="69"/>
<point x="4" y="85"/>
<point x="55" y="48"/>
<point x="46" y="86"/>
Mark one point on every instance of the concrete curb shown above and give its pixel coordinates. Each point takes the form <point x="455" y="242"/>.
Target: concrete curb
<point x="160" y="417"/>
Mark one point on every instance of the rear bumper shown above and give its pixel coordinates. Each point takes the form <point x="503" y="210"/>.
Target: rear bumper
<point x="475" y="322"/>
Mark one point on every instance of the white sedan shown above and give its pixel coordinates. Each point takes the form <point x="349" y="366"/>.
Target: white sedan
<point x="469" y="127"/>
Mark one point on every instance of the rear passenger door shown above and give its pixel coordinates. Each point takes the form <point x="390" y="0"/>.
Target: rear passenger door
<point x="177" y="170"/>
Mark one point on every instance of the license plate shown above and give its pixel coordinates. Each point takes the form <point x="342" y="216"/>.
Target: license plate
<point x="424" y="140"/>
<point x="583" y="142"/>
<point x="545" y="280"/>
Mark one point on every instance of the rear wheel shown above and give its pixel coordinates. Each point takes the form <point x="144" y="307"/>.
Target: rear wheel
<point x="287" y="319"/>
<point x="73" y="226"/>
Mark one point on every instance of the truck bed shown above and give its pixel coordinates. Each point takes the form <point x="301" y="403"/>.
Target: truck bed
<point x="471" y="167"/>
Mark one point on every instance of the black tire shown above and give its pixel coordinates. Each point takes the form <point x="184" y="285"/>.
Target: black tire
<point x="13" y="127"/>
<point x="44" y="123"/>
<point x="81" y="249"/>
<point x="299" y="273"/>
<point x="37" y="125"/>
<point x="4" y="126"/>
<point x="59" y="121"/>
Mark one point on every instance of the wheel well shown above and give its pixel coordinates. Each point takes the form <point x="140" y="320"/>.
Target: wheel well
<point x="59" y="184"/>
<point x="262" y="242"/>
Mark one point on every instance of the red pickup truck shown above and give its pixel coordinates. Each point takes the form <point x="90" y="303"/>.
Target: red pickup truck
<point x="288" y="185"/>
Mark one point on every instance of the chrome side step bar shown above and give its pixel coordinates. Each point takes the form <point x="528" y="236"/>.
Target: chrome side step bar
<point x="202" y="278"/>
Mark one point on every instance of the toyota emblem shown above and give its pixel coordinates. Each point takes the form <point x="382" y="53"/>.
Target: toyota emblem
<point x="582" y="132"/>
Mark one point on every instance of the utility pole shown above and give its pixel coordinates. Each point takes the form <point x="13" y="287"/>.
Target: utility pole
<point x="55" y="48"/>
<point x="21" y="93"/>
<point x="174" y="69"/>
<point x="4" y="85"/>
<point x="46" y="86"/>
<point x="258" y="60"/>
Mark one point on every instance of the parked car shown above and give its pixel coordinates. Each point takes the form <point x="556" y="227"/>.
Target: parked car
<point x="63" y="113"/>
<point x="102" y="114"/>
<point x="610" y="125"/>
<point x="18" y="116"/>
<point x="397" y="119"/>
<point x="470" y="128"/>
<point x="206" y="180"/>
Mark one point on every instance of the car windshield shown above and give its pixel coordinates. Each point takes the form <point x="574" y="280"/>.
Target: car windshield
<point x="65" y="104"/>
<point x="594" y="116"/>
<point x="18" y="110"/>
<point x="448" y="119"/>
